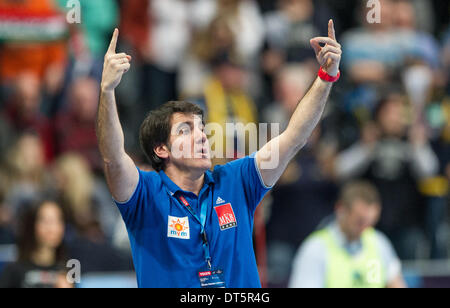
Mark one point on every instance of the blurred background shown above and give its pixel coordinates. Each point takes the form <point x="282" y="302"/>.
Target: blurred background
<point x="387" y="121"/>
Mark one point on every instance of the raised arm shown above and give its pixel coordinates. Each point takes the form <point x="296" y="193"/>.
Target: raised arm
<point x="305" y="117"/>
<point x="121" y="174"/>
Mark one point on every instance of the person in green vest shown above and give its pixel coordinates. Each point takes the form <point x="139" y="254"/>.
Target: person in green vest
<point x="348" y="252"/>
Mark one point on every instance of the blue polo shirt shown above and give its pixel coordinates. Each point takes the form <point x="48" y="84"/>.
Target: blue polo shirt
<point x="165" y="237"/>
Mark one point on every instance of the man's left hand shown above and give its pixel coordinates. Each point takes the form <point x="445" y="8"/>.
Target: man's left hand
<point x="329" y="56"/>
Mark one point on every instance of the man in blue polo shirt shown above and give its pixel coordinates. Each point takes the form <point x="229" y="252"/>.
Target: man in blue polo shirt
<point x="189" y="226"/>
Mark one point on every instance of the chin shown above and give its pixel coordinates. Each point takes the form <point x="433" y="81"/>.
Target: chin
<point x="204" y="163"/>
<point x="207" y="164"/>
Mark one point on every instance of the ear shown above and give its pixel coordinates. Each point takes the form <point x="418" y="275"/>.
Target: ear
<point x="162" y="151"/>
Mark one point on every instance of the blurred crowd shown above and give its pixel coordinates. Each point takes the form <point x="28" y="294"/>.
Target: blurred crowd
<point x="247" y="61"/>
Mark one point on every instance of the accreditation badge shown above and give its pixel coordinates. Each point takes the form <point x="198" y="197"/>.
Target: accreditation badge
<point x="212" y="279"/>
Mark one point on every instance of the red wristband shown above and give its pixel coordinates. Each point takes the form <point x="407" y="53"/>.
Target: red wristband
<point x="324" y="76"/>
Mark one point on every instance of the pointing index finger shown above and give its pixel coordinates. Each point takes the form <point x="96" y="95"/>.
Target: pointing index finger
<point x="112" y="45"/>
<point x="331" y="32"/>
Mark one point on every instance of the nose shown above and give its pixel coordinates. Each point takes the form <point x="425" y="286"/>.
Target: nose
<point x="199" y="136"/>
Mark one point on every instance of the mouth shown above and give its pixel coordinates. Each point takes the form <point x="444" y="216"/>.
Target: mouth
<point x="205" y="153"/>
<point x="202" y="153"/>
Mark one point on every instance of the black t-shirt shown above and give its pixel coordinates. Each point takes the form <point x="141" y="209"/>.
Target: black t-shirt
<point x="391" y="171"/>
<point x="28" y="275"/>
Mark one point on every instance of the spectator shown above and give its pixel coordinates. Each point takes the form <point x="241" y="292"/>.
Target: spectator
<point x="302" y="198"/>
<point x="169" y="38"/>
<point x="245" y="21"/>
<point x="87" y="200"/>
<point x="75" y="127"/>
<point x="291" y="82"/>
<point x="348" y="252"/>
<point x="423" y="45"/>
<point x="6" y="135"/>
<point x="172" y="21"/>
<point x="306" y="190"/>
<point x="288" y="31"/>
<point x="395" y="165"/>
<point x="390" y="53"/>
<point x="372" y="53"/>
<point x="218" y="38"/>
<point x="90" y="37"/>
<point x="33" y="39"/>
<point x="90" y="217"/>
<point x="242" y="16"/>
<point x="41" y="252"/>
<point x="135" y="25"/>
<point x="23" y="113"/>
<point x="26" y="171"/>
<point x="423" y="61"/>
<point x="6" y="226"/>
<point x="227" y="101"/>
<point x="436" y="116"/>
<point x="446" y="58"/>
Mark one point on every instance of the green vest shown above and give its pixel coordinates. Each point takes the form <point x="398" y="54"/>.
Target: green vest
<point x="343" y="270"/>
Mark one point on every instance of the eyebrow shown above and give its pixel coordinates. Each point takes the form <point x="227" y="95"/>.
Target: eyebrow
<point x="190" y="123"/>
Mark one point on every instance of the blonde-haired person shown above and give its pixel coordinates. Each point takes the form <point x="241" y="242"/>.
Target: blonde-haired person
<point x="206" y="44"/>
<point x="242" y="16"/>
<point x="25" y="171"/>
<point x="89" y="207"/>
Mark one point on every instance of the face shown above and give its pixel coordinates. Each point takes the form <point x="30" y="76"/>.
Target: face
<point x="189" y="146"/>
<point x="287" y="91"/>
<point x="357" y="217"/>
<point x="49" y="226"/>
<point x="31" y="151"/>
<point x="85" y="99"/>
<point x="232" y="77"/>
<point x="28" y="93"/>
<point x="405" y="15"/>
<point x="221" y="34"/>
<point x="392" y="118"/>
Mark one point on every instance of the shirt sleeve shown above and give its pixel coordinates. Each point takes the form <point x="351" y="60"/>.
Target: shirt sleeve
<point x="131" y="210"/>
<point x="247" y="170"/>
<point x="309" y="266"/>
<point x="389" y="258"/>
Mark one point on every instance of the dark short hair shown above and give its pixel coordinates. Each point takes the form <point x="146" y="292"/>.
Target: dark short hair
<point x="155" y="130"/>
<point x="359" y="190"/>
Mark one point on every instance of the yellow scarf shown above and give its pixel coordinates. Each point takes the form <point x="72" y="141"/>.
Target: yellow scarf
<point x="216" y="102"/>
<point x="242" y="108"/>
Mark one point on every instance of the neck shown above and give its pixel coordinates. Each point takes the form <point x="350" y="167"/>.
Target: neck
<point x="44" y="256"/>
<point x="350" y="238"/>
<point x="186" y="180"/>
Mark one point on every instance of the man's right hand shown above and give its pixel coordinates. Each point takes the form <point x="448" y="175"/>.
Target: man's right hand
<point x="115" y="65"/>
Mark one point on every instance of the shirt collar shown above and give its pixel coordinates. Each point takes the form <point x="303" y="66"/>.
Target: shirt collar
<point x="174" y="188"/>
<point x="353" y="247"/>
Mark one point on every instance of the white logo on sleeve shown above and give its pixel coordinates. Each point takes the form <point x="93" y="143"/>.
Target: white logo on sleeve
<point x="220" y="200"/>
<point x="178" y="227"/>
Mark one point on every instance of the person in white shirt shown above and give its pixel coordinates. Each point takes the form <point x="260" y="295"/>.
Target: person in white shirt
<point x="348" y="252"/>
